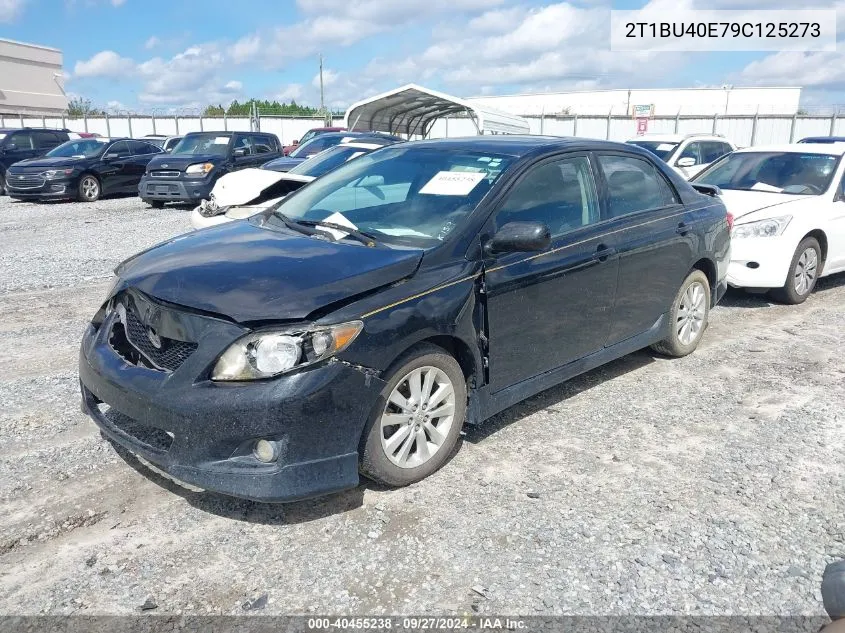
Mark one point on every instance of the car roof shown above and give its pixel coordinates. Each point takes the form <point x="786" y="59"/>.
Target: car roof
<point x="831" y="149"/>
<point x="823" y="139"/>
<point x="518" y="145"/>
<point x="676" y="138"/>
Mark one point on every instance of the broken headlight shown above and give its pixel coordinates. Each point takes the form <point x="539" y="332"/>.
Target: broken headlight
<point x="273" y="352"/>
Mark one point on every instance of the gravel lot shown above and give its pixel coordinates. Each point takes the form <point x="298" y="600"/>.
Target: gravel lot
<point x="707" y="485"/>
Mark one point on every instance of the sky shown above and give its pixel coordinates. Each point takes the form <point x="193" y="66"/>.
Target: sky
<point x="181" y="55"/>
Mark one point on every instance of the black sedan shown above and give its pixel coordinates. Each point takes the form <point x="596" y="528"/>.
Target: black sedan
<point x="82" y="169"/>
<point x="356" y="326"/>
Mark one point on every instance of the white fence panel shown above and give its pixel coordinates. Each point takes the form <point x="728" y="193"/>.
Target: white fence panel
<point x="811" y="127"/>
<point x="839" y="127"/>
<point x="773" y="130"/>
<point x="592" y="127"/>
<point x="237" y="124"/>
<point x="141" y="126"/>
<point x="736" y="129"/>
<point x="189" y="125"/>
<point x="553" y="126"/>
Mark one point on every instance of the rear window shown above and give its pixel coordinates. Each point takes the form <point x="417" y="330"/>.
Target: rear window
<point x="777" y="172"/>
<point x="661" y="149"/>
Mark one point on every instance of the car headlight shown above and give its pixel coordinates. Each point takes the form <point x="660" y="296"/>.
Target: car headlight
<point x="200" y="168"/>
<point x="770" y="227"/>
<point x="270" y="353"/>
<point x="57" y="173"/>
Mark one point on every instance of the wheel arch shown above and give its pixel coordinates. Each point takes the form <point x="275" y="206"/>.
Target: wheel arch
<point x="708" y="267"/>
<point x="456" y="347"/>
<point x="821" y="238"/>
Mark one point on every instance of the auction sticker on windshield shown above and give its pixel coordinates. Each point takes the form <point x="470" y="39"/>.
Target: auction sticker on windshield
<point x="453" y="183"/>
<point x="221" y="140"/>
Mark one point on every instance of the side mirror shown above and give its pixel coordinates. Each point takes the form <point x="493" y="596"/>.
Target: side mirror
<point x="9" y="146"/>
<point x="686" y="161"/>
<point x="520" y="237"/>
<point x="240" y="152"/>
<point x="111" y="156"/>
<point x="295" y="142"/>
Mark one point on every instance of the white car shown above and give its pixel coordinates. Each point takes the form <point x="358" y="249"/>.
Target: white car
<point x="788" y="208"/>
<point x="687" y="154"/>
<point x="241" y="194"/>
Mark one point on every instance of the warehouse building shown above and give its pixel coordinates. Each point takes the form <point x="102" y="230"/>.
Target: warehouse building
<point x="725" y="100"/>
<point x="31" y="80"/>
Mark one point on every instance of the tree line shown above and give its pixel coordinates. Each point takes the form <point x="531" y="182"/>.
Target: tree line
<point x="80" y="107"/>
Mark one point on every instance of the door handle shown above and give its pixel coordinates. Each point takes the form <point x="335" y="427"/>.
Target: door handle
<point x="682" y="229"/>
<point x="603" y="252"/>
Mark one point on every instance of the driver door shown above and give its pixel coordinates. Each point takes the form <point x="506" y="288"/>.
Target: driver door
<point x="114" y="172"/>
<point x="550" y="308"/>
<point x="835" y="230"/>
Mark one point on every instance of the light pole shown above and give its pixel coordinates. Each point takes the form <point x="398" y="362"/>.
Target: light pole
<point x="727" y="88"/>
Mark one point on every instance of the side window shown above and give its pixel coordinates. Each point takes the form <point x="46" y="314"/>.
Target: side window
<point x="692" y="150"/>
<point x="136" y="148"/>
<point x="634" y="185"/>
<point x="121" y="149"/>
<point x="726" y="149"/>
<point x="712" y="151"/>
<point x="243" y="146"/>
<point x="262" y="144"/>
<point x="21" y="140"/>
<point x="44" y="140"/>
<point x="561" y="194"/>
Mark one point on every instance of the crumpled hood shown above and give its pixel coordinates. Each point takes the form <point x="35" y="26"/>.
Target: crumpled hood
<point x="741" y="203"/>
<point x="247" y="185"/>
<point x="249" y="273"/>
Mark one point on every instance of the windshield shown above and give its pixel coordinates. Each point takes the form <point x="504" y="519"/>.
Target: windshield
<point x="327" y="160"/>
<point x="410" y="196"/>
<point x="778" y="172"/>
<point x="83" y="148"/>
<point x="316" y="145"/>
<point x="203" y="144"/>
<point x="661" y="149"/>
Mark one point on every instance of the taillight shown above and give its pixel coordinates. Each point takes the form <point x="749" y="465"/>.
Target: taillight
<point x="730" y="220"/>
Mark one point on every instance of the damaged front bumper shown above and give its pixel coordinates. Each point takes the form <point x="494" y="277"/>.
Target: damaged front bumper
<point x="203" y="433"/>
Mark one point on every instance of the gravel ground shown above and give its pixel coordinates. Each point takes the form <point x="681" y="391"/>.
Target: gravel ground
<point x="707" y="485"/>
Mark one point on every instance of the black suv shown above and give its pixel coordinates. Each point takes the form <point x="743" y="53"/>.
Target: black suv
<point x="21" y="143"/>
<point x="189" y="172"/>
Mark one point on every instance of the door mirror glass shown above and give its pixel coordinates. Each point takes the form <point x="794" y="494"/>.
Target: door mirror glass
<point x="520" y="237"/>
<point x="686" y="161"/>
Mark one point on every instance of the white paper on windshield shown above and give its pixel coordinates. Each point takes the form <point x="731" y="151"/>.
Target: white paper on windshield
<point x="761" y="186"/>
<point x="221" y="140"/>
<point x="355" y="155"/>
<point x="453" y="183"/>
<point x="337" y="218"/>
<point x="2" y="136"/>
<point x="664" y="147"/>
<point x="403" y="232"/>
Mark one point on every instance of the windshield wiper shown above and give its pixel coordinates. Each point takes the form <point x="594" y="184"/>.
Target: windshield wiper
<point x="365" y="238"/>
<point x="294" y="225"/>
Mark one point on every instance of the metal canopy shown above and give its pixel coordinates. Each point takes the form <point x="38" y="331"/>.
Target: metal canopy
<point x="413" y="109"/>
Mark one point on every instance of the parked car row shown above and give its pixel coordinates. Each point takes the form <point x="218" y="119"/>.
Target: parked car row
<point x="688" y="154"/>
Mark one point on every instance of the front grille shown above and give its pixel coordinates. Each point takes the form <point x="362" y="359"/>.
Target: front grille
<point x="131" y="340"/>
<point x="25" y="181"/>
<point x="165" y="174"/>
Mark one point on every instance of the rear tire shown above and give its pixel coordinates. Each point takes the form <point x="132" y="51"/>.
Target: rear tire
<point x="803" y="273"/>
<point x="156" y="204"/>
<point x="2" y="185"/>
<point x="89" y="189"/>
<point x="688" y="317"/>
<point x="402" y="442"/>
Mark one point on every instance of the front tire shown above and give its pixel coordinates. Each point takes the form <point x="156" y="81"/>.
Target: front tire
<point x="2" y="185"/>
<point x="417" y="418"/>
<point x="156" y="204"/>
<point x="89" y="189"/>
<point x="803" y="273"/>
<point x="688" y="317"/>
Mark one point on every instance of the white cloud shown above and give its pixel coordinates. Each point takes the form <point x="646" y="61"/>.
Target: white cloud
<point x="291" y="92"/>
<point x="329" y="77"/>
<point x="117" y="3"/>
<point x="104" y="64"/>
<point x="10" y="9"/>
<point x="152" y="42"/>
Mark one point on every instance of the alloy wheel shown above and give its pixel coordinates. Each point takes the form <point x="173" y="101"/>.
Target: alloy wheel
<point x="691" y="313"/>
<point x="805" y="271"/>
<point x="417" y="417"/>
<point x="90" y="188"/>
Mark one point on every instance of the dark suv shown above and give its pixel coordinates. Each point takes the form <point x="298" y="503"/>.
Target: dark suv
<point x="22" y="143"/>
<point x="189" y="172"/>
